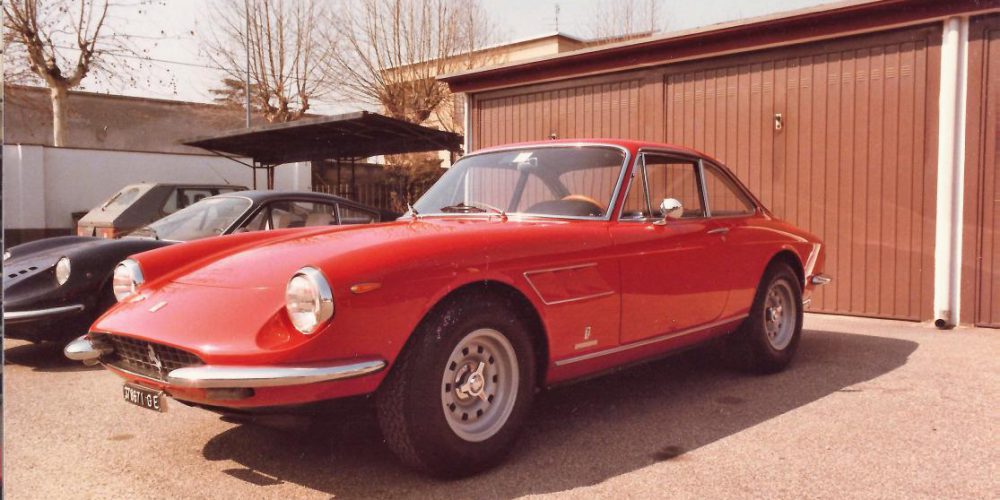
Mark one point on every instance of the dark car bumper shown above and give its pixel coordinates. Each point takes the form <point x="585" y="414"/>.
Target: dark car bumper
<point x="46" y="314"/>
<point x="55" y="323"/>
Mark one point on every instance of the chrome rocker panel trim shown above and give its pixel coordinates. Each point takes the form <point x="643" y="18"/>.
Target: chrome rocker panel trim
<point x="231" y="377"/>
<point x="22" y="316"/>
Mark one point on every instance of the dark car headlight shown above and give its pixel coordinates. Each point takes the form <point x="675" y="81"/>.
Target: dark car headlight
<point x="309" y="300"/>
<point x="126" y="280"/>
<point x="63" y="269"/>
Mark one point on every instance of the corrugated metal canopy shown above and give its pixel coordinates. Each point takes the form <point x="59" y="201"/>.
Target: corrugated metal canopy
<point x="352" y="135"/>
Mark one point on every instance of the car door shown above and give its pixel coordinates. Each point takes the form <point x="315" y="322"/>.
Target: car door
<point x="668" y="266"/>
<point x="731" y="212"/>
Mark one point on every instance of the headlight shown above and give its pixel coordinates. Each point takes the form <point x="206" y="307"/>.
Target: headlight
<point x="127" y="279"/>
<point x="309" y="300"/>
<point x="6" y="255"/>
<point x="62" y="270"/>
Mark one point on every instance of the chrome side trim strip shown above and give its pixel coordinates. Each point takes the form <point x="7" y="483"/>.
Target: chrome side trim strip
<point x="218" y="377"/>
<point x="643" y="343"/>
<point x="40" y="313"/>
<point x="541" y="297"/>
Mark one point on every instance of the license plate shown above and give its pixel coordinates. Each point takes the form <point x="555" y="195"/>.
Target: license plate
<point x="146" y="398"/>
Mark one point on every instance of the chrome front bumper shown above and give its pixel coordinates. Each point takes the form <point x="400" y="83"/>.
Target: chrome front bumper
<point x="13" y="317"/>
<point x="235" y="377"/>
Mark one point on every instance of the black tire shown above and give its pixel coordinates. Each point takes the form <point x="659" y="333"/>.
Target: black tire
<point x="410" y="405"/>
<point x="757" y="346"/>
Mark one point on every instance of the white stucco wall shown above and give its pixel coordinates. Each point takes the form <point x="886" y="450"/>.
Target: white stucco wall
<point x="43" y="186"/>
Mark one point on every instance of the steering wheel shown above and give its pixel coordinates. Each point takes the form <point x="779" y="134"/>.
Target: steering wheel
<point x="584" y="199"/>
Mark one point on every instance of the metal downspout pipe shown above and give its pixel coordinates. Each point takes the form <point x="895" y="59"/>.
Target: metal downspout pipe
<point x="951" y="172"/>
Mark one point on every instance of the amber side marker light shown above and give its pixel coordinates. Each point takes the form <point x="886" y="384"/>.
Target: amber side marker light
<point x="365" y="288"/>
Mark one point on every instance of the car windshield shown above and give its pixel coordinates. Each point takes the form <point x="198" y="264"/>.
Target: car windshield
<point x="208" y="217"/>
<point x="562" y="181"/>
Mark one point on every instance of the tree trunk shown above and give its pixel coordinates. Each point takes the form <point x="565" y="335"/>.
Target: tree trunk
<point x="60" y="115"/>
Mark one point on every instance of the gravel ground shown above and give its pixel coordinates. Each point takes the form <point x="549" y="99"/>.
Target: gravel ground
<point x="869" y="409"/>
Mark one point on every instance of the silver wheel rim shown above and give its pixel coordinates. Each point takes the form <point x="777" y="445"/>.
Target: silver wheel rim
<point x="780" y="315"/>
<point x="479" y="385"/>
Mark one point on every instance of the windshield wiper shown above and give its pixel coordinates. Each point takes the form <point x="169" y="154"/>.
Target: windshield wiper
<point x="474" y="206"/>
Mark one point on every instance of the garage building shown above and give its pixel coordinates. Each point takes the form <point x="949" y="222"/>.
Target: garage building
<point x="873" y="124"/>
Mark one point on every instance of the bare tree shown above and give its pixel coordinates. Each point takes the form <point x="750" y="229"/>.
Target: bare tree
<point x="624" y="19"/>
<point x="59" y="42"/>
<point x="391" y="51"/>
<point x="286" y="48"/>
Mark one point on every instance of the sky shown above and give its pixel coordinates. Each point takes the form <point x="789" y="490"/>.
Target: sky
<point x="179" y="67"/>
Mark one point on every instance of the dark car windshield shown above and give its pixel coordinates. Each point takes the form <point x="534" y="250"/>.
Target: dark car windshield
<point x="567" y="181"/>
<point x="208" y="217"/>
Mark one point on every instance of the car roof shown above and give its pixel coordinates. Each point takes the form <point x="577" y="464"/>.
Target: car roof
<point x="262" y="196"/>
<point x="631" y="145"/>
<point x="259" y="197"/>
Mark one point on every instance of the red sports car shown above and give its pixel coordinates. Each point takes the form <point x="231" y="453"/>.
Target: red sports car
<point x="522" y="267"/>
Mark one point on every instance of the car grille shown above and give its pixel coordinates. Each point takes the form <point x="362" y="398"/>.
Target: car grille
<point x="137" y="356"/>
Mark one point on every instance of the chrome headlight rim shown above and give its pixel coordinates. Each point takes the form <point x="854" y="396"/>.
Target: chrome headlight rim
<point x="323" y="303"/>
<point x="129" y="270"/>
<point x="63" y="270"/>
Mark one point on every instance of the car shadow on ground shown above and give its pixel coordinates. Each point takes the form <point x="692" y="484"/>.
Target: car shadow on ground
<point x="577" y="435"/>
<point x="43" y="357"/>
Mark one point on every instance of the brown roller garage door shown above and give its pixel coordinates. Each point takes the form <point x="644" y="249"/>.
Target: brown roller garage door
<point x="853" y="162"/>
<point x="981" y="276"/>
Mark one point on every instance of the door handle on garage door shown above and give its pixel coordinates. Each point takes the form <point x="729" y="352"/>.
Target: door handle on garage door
<point x="719" y="230"/>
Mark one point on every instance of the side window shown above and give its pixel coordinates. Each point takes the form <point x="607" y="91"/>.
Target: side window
<point x="286" y="214"/>
<point x="674" y="178"/>
<point x="724" y="198"/>
<point x="635" y="208"/>
<point x="183" y="197"/>
<point x="259" y="222"/>
<point x="351" y="215"/>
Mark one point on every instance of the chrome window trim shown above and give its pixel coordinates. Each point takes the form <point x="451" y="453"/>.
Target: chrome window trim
<point x="641" y="155"/>
<point x="742" y="190"/>
<point x="704" y="189"/>
<point x="649" y="341"/>
<point x="614" y="193"/>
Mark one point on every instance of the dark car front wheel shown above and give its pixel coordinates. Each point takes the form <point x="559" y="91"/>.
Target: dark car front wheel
<point x="769" y="337"/>
<point x="458" y="394"/>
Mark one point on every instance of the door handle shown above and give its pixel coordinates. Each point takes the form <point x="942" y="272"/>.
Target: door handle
<point x="719" y="230"/>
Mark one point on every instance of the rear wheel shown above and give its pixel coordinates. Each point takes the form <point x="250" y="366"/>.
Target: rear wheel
<point x="459" y="392"/>
<point x="768" y="339"/>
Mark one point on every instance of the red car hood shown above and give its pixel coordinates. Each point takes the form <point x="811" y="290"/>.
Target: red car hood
<point x="271" y="264"/>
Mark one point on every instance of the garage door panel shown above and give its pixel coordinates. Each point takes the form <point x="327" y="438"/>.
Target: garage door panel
<point x="981" y="241"/>
<point x="853" y="161"/>
<point x="850" y="163"/>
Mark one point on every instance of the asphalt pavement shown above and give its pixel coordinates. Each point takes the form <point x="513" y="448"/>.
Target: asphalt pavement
<point x="870" y="408"/>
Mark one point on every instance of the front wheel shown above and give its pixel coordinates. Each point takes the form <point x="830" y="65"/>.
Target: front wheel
<point x="459" y="392"/>
<point x="769" y="337"/>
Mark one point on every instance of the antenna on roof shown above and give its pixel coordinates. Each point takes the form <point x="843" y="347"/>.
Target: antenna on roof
<point x="557" y="17"/>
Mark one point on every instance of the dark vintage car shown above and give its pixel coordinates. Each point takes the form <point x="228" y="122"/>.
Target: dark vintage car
<point x="523" y="267"/>
<point x="55" y="288"/>
<point x="136" y="205"/>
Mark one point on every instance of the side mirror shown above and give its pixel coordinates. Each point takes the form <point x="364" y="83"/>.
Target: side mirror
<point x="670" y="208"/>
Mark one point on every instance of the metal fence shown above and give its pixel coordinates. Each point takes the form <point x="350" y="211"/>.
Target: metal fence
<point x="381" y="195"/>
